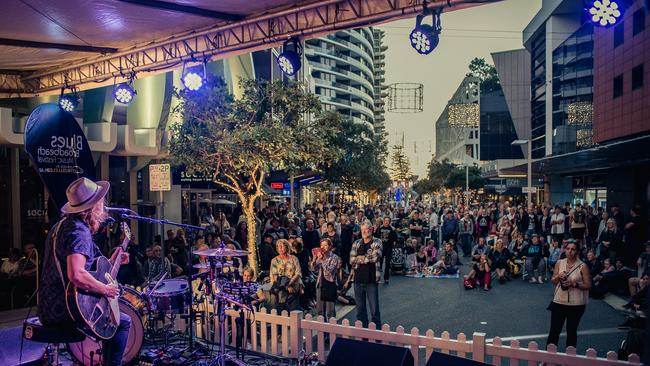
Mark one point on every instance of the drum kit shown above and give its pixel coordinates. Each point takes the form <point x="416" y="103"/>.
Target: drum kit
<point x="167" y="298"/>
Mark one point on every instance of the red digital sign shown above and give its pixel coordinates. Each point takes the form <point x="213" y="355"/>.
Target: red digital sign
<point x="277" y="185"/>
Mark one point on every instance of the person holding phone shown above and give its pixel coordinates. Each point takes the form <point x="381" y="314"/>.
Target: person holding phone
<point x="328" y="266"/>
<point x="572" y="283"/>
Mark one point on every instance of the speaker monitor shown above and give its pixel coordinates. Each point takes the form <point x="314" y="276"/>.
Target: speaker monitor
<point x="443" y="359"/>
<point x="349" y="352"/>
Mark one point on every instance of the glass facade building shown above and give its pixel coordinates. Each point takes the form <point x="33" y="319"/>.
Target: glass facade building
<point x="497" y="130"/>
<point x="538" y="93"/>
<point x="573" y="65"/>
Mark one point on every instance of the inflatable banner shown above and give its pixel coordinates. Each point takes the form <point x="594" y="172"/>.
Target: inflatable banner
<point x="58" y="148"/>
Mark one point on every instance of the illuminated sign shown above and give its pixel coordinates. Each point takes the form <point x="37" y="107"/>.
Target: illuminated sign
<point x="277" y="185"/>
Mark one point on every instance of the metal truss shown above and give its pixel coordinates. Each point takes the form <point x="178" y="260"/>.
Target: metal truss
<point x="224" y="40"/>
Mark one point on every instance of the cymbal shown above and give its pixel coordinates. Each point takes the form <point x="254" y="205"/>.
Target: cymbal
<point x="208" y="266"/>
<point x="221" y="252"/>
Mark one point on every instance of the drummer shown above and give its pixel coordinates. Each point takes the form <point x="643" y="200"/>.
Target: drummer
<point x="156" y="265"/>
<point x="249" y="276"/>
<point x="200" y="245"/>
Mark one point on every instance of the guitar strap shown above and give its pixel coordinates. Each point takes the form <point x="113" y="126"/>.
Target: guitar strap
<point x="56" y="259"/>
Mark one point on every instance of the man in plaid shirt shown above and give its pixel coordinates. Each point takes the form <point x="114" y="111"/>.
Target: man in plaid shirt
<point x="365" y="257"/>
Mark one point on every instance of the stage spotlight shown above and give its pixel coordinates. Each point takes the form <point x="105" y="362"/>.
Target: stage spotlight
<point x="68" y="102"/>
<point x="289" y="60"/>
<point x="605" y="13"/>
<point x="192" y="80"/>
<point x="124" y="93"/>
<point x="424" y="37"/>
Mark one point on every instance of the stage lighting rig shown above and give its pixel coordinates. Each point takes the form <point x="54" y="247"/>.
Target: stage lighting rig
<point x="124" y="93"/>
<point x="424" y="37"/>
<point x="605" y="13"/>
<point x="192" y="79"/>
<point x="69" y="102"/>
<point x="289" y="60"/>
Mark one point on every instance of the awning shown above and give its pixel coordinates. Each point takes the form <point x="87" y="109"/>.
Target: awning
<point x="629" y="152"/>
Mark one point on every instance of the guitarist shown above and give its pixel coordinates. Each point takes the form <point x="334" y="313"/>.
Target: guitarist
<point x="76" y="253"/>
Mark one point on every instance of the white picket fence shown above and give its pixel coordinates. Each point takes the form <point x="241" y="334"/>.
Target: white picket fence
<point x="287" y="334"/>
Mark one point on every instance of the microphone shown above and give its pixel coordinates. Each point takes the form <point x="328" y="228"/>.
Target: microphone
<point x="119" y="210"/>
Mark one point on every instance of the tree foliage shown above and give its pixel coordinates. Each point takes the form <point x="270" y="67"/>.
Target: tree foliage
<point x="400" y="164"/>
<point x="361" y="165"/>
<point x="487" y="73"/>
<point x="444" y="174"/>
<point x="423" y="186"/>
<point x="238" y="141"/>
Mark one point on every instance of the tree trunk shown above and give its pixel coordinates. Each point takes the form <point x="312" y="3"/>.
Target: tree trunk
<point x="248" y="205"/>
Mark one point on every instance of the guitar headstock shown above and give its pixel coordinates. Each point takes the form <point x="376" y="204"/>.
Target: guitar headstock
<point x="127" y="234"/>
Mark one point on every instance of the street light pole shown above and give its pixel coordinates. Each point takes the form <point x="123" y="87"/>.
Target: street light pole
<point x="530" y="172"/>
<point x="529" y="161"/>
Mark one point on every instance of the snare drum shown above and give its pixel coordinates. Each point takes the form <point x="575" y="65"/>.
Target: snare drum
<point x="172" y="295"/>
<point x="87" y="352"/>
<point x="135" y="299"/>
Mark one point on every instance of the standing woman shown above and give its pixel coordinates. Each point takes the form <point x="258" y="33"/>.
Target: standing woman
<point x="328" y="266"/>
<point x="572" y="283"/>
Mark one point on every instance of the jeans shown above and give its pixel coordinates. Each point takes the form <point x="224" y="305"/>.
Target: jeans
<point x="531" y="267"/>
<point x="370" y="292"/>
<point x="466" y="244"/>
<point x="113" y="349"/>
<point x="434" y="235"/>
<point x="387" y="255"/>
<point x="569" y="313"/>
<point x="325" y="308"/>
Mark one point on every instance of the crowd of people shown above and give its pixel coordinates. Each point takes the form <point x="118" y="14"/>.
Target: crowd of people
<point x="309" y="257"/>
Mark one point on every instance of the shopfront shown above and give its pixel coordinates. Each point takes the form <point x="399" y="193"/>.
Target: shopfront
<point x="590" y="190"/>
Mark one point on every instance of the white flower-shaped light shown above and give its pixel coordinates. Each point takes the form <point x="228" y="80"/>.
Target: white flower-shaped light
<point x="192" y="81"/>
<point x="605" y="12"/>
<point x="286" y="65"/>
<point x="420" y="41"/>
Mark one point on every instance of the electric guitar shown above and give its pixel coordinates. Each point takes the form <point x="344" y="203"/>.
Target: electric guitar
<point x="95" y="315"/>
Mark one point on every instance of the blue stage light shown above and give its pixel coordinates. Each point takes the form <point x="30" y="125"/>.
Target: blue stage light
<point x="605" y="13"/>
<point x="289" y="60"/>
<point x="424" y="37"/>
<point x="124" y="93"/>
<point x="68" y="102"/>
<point x="192" y="80"/>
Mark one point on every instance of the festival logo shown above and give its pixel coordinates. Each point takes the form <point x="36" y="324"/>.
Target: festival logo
<point x="58" y="148"/>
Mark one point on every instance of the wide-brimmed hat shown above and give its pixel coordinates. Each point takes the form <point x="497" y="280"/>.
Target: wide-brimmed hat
<point x="83" y="193"/>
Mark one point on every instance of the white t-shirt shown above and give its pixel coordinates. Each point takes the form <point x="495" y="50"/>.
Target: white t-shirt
<point x="557" y="228"/>
<point x="433" y="220"/>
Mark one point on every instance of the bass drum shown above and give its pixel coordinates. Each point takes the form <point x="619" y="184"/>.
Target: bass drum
<point x="85" y="353"/>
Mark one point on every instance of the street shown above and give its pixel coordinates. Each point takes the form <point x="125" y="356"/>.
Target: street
<point x="514" y="310"/>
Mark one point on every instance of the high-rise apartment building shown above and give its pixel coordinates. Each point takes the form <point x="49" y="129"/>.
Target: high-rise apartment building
<point x="347" y="68"/>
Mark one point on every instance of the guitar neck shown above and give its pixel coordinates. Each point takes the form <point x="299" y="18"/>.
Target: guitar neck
<point x="118" y="262"/>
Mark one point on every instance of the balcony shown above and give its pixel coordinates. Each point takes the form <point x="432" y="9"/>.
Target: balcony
<point x="348" y="104"/>
<point x="345" y="89"/>
<point x="343" y="59"/>
<point x="342" y="73"/>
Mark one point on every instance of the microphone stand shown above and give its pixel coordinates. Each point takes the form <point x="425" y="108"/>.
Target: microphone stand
<point x="190" y="230"/>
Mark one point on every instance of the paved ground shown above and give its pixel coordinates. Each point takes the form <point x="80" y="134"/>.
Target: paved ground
<point x="512" y="310"/>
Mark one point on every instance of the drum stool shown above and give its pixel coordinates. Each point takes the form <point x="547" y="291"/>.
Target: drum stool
<point x="34" y="331"/>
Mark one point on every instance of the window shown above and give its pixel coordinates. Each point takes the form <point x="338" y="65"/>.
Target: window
<point x="637" y="77"/>
<point x="618" y="86"/>
<point x="619" y="34"/>
<point x="638" y="21"/>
